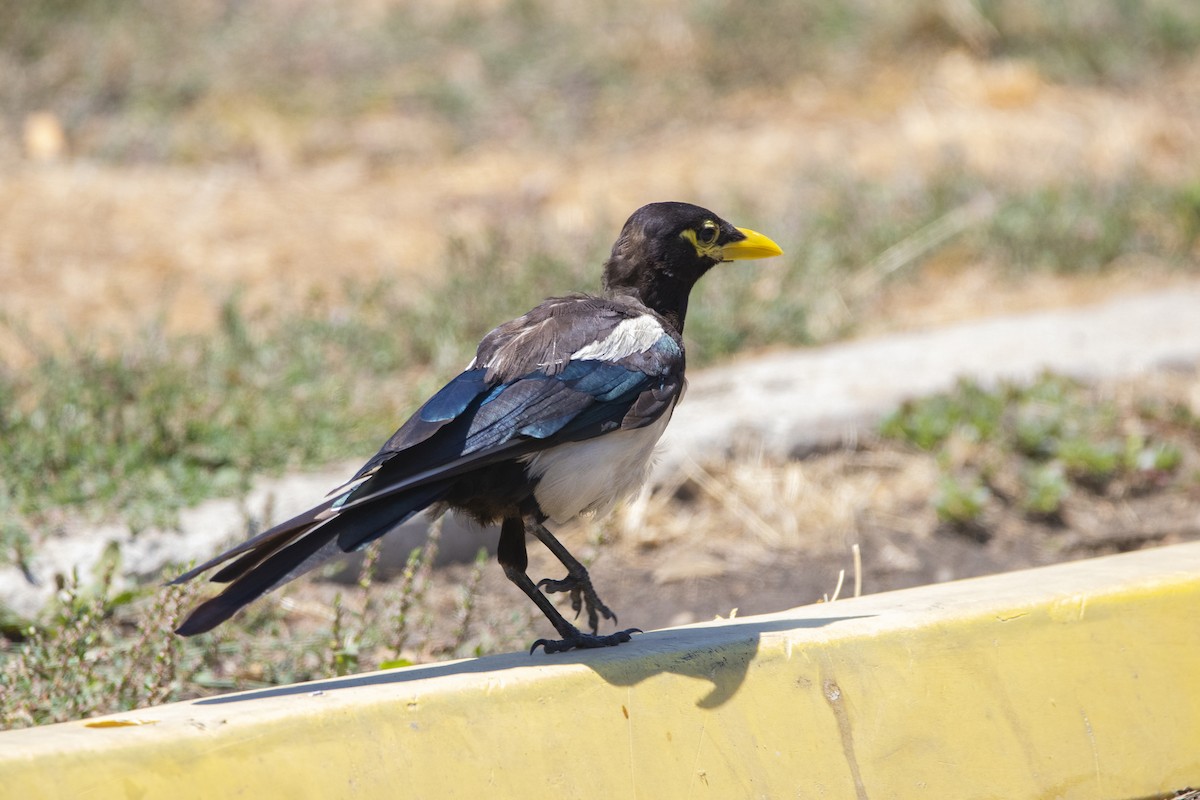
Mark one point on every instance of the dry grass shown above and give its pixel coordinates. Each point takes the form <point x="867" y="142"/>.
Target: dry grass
<point x="287" y="221"/>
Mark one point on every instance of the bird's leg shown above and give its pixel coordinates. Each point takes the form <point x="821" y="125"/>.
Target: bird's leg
<point x="513" y="558"/>
<point x="577" y="583"/>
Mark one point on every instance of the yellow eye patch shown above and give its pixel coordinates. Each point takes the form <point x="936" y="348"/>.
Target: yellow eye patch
<point x="704" y="239"/>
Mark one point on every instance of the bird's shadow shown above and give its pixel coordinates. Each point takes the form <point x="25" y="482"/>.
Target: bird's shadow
<point x="721" y="654"/>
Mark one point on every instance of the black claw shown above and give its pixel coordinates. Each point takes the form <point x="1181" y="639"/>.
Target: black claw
<point x="583" y="641"/>
<point x="582" y="595"/>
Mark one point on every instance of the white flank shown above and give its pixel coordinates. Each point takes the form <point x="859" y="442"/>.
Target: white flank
<point x="633" y="335"/>
<point x="591" y="476"/>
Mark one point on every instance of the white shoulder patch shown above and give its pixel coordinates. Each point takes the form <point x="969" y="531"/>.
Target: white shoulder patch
<point x="634" y="335"/>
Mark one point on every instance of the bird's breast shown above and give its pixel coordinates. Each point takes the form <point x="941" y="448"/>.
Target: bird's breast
<point x="591" y="476"/>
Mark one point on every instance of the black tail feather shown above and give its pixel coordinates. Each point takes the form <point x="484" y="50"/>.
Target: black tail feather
<point x="346" y="522"/>
<point x="294" y="547"/>
<point x="252" y="585"/>
<point x="252" y="558"/>
<point x="268" y="541"/>
<point x="354" y="529"/>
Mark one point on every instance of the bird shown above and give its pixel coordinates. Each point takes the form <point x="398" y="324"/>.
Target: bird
<point x="556" y="416"/>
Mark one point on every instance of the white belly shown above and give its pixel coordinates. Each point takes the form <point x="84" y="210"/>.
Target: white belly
<point x="592" y="475"/>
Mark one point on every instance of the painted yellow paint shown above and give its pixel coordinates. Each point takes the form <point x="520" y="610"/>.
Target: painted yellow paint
<point x="1074" y="681"/>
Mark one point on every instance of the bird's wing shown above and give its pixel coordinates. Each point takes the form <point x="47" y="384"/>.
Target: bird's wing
<point x="572" y="369"/>
<point x="539" y="346"/>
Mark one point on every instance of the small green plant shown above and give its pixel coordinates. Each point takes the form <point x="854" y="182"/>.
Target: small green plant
<point x="1158" y="457"/>
<point x="1045" y="489"/>
<point x="960" y="500"/>
<point x="970" y="411"/>
<point x="1089" y="462"/>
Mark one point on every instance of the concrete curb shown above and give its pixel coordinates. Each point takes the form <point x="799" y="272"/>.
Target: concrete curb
<point x="1072" y="681"/>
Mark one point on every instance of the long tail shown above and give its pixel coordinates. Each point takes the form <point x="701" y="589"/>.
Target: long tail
<point x="292" y="548"/>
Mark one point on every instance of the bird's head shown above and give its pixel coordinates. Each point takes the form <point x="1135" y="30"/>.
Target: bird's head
<point x="665" y="248"/>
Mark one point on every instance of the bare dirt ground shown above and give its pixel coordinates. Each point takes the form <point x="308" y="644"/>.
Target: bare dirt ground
<point x="89" y="249"/>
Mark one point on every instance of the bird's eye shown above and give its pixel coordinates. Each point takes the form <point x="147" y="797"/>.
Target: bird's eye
<point x="708" y="232"/>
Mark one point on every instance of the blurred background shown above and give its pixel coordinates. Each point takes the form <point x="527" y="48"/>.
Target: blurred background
<point x="241" y="239"/>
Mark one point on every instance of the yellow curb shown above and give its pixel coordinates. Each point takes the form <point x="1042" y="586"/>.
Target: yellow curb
<point x="1075" y="681"/>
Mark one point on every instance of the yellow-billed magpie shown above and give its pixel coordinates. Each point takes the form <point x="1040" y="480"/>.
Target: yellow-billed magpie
<point x="557" y="415"/>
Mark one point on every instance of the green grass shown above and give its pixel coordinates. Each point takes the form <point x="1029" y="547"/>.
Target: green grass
<point x="1114" y="42"/>
<point x="961" y="500"/>
<point x="144" y="428"/>
<point x="841" y="235"/>
<point x="1085" y="227"/>
<point x="1033" y="446"/>
<point x="184" y="82"/>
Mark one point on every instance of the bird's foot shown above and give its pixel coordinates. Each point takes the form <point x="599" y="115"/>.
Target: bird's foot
<point x="578" y="640"/>
<point x="579" y="587"/>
